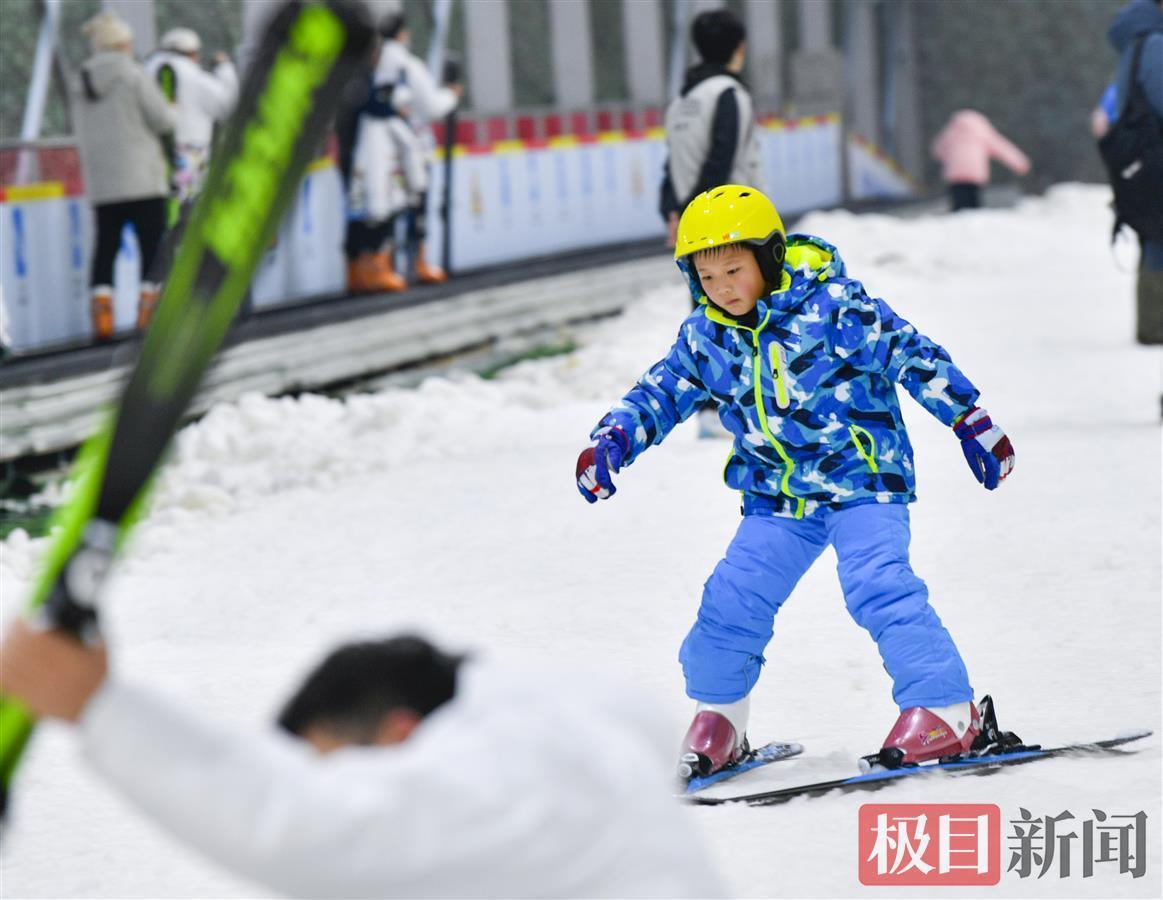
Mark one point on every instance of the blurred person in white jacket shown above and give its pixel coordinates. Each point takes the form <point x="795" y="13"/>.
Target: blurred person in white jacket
<point x="429" y="102"/>
<point x="200" y="99"/>
<point x="399" y="770"/>
<point x="415" y="159"/>
<point x="368" y="164"/>
<point x="390" y="165"/>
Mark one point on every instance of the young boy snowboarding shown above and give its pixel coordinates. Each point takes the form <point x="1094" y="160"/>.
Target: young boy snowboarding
<point x="804" y="367"/>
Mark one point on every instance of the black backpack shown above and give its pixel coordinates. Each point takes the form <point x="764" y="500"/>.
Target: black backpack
<point x="1133" y="154"/>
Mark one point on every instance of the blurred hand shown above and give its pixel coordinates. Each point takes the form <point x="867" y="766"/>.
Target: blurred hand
<point x="51" y="673"/>
<point x="220" y="58"/>
<point x="671" y="229"/>
<point x="1099" y="123"/>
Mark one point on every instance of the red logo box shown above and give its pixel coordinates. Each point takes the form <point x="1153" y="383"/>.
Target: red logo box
<point x="930" y="844"/>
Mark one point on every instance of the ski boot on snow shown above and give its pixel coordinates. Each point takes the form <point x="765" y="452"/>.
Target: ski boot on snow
<point x="922" y="734"/>
<point x="716" y="739"/>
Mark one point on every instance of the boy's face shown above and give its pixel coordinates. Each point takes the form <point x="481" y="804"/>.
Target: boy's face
<point x="731" y="278"/>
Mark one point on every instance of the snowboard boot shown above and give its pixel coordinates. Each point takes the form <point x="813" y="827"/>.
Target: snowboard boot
<point x="101" y="310"/>
<point x="384" y="275"/>
<point x="425" y="271"/>
<point x="924" y="733"/>
<point x="146" y="303"/>
<point x="716" y="738"/>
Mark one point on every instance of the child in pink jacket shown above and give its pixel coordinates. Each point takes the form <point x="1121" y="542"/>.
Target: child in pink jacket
<point x="964" y="148"/>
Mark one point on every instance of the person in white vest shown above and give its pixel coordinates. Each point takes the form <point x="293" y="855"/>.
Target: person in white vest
<point x="710" y="126"/>
<point x="429" y="102"/>
<point x="120" y="118"/>
<point x="200" y="99"/>
<point x="710" y="134"/>
<point x="398" y="770"/>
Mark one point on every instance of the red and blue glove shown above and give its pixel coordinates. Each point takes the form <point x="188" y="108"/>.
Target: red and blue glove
<point x="595" y="463"/>
<point x="987" y="449"/>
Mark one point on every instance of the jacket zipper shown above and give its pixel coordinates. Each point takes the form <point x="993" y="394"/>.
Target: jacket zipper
<point x="781" y="395"/>
<point x="869" y="455"/>
<point x="756" y="377"/>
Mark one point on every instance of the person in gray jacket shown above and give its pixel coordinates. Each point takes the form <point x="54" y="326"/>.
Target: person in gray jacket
<point x="120" y="115"/>
<point x="710" y="126"/>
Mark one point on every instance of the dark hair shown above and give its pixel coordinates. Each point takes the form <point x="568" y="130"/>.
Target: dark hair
<point x="392" y="25"/>
<point x="717" y="34"/>
<point x="358" y="684"/>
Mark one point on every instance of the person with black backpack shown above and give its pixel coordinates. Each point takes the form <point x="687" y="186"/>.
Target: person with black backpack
<point x="1133" y="151"/>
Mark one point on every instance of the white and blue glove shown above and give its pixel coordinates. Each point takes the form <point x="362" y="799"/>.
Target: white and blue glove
<point x="604" y="455"/>
<point x="987" y="449"/>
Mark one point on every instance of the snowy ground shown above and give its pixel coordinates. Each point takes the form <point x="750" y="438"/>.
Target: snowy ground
<point x="287" y="525"/>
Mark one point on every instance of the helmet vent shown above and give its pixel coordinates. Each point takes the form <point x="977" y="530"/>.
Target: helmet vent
<point x="718" y="195"/>
<point x="745" y="193"/>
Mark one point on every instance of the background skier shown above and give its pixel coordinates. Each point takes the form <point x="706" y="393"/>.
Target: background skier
<point x="430" y="102"/>
<point x="964" y="148"/>
<point x="200" y="100"/>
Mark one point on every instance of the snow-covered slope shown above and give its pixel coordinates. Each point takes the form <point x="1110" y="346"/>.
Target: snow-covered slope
<point x="286" y="525"/>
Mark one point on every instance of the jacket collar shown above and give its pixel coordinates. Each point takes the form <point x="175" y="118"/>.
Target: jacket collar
<point x="697" y="74"/>
<point x="810" y="260"/>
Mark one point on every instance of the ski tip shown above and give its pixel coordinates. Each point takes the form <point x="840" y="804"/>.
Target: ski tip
<point x="1133" y="734"/>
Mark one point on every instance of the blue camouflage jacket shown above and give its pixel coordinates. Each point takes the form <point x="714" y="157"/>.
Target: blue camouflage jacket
<point x="809" y="393"/>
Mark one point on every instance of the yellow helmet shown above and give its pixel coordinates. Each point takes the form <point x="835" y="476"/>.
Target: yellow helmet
<point x="732" y="214"/>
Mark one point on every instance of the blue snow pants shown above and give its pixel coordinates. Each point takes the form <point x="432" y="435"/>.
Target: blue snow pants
<point x="723" y="652"/>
